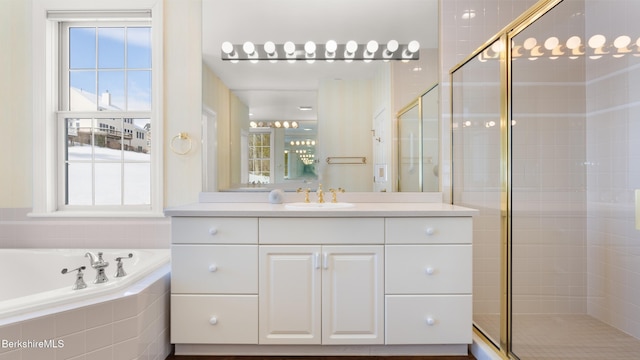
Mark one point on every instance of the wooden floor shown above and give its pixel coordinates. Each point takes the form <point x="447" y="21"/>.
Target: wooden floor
<point x="182" y="357"/>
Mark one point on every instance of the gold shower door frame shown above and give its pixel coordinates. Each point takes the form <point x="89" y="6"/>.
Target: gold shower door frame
<point x="504" y="348"/>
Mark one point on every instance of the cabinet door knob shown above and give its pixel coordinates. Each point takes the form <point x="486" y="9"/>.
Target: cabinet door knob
<point x="213" y="268"/>
<point x="429" y="270"/>
<point x="430" y="321"/>
<point x="213" y="320"/>
<point x="213" y="231"/>
<point x="430" y="231"/>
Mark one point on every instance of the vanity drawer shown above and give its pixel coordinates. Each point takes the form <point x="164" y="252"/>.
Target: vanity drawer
<point x="429" y="230"/>
<point x="321" y="230"/>
<point x="428" y="269"/>
<point x="428" y="319"/>
<point x="204" y="230"/>
<point x="222" y="269"/>
<point x="214" y="319"/>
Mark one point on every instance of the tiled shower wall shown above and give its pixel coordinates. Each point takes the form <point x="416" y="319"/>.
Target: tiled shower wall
<point x="18" y="230"/>
<point x="613" y="168"/>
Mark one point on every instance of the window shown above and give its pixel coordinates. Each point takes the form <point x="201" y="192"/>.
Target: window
<point x="105" y="80"/>
<point x="260" y="164"/>
<point x="98" y="113"/>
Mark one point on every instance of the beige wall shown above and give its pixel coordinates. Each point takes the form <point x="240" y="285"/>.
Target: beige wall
<point x="232" y="117"/>
<point x="344" y="129"/>
<point x="182" y="98"/>
<point x="15" y="104"/>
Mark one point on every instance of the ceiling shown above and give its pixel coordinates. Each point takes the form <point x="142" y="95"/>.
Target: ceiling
<point x="273" y="91"/>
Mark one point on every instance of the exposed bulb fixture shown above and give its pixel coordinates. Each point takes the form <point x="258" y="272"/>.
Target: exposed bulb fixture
<point x="276" y="124"/>
<point x="329" y="51"/>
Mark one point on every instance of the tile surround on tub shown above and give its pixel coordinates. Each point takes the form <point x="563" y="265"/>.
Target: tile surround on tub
<point x="133" y="327"/>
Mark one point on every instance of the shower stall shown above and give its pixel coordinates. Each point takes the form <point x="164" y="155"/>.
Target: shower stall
<point x="546" y="144"/>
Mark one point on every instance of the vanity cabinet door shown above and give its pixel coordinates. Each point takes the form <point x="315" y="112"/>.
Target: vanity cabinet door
<point x="289" y="291"/>
<point x="352" y="295"/>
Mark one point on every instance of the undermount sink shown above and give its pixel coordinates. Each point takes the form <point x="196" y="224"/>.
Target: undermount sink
<point x="317" y="206"/>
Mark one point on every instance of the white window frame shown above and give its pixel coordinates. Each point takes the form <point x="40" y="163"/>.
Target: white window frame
<point x="48" y="140"/>
<point x="271" y="151"/>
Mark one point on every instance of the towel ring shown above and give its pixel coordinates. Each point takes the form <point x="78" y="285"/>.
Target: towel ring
<point x="181" y="136"/>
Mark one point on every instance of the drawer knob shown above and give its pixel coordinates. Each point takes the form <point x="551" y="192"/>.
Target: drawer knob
<point x="213" y="268"/>
<point x="430" y="321"/>
<point x="213" y="231"/>
<point x="430" y="231"/>
<point x="213" y="320"/>
<point x="429" y="270"/>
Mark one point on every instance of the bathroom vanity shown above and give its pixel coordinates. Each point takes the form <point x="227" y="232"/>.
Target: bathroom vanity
<point x="253" y="278"/>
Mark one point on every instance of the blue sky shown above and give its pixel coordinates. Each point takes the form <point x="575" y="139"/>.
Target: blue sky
<point x="107" y="59"/>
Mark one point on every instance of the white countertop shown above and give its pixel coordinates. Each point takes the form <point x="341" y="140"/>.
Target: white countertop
<point x="388" y="209"/>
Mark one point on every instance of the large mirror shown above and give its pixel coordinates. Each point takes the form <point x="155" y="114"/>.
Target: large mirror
<point x="283" y="124"/>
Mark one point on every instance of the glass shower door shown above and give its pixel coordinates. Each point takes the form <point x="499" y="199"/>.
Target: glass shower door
<point x="409" y="158"/>
<point x="575" y="139"/>
<point x="476" y="177"/>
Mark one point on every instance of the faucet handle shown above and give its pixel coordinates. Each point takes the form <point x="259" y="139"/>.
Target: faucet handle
<point x="334" y="194"/>
<point x="306" y="193"/>
<point x="79" y="284"/>
<point x="120" y="269"/>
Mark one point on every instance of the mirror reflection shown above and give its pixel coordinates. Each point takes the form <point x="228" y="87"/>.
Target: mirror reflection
<point x="342" y="110"/>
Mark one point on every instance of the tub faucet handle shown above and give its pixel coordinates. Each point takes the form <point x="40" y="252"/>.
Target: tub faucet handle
<point x="120" y="270"/>
<point x="79" y="284"/>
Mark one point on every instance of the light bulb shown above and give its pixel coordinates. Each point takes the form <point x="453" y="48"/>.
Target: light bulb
<point x="270" y="48"/>
<point x="351" y="48"/>
<point x="392" y="46"/>
<point x="249" y="48"/>
<point x="227" y="48"/>
<point x="372" y="47"/>
<point x="331" y="46"/>
<point x="310" y="48"/>
<point x="289" y="48"/>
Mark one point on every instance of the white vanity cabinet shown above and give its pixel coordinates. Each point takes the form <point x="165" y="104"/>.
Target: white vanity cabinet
<point x="428" y="280"/>
<point x="214" y="280"/>
<point x="312" y="294"/>
<point x="378" y="279"/>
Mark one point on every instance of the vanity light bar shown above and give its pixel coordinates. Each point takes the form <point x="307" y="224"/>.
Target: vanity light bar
<point x="311" y="51"/>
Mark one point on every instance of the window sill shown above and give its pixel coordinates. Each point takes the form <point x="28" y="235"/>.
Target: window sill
<point x="97" y="214"/>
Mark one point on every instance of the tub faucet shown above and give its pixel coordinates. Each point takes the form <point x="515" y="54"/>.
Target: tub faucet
<point x="79" y="284"/>
<point x="120" y="270"/>
<point x="99" y="264"/>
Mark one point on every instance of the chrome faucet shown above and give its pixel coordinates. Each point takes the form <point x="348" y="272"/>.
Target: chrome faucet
<point x="79" y="284"/>
<point x="99" y="264"/>
<point x="120" y="270"/>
